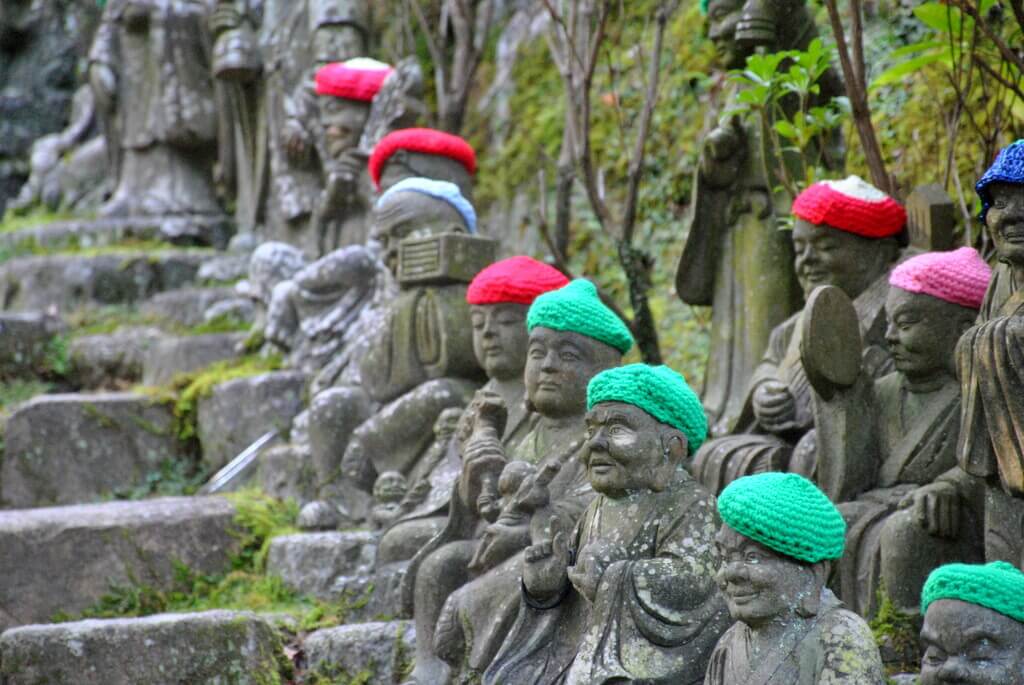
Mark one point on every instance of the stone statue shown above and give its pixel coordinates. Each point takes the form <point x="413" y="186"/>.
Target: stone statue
<point x="973" y="625"/>
<point x="389" y="491"/>
<point x="425" y="152"/>
<point x="630" y="594"/>
<point x="779" y="535"/>
<point x="991" y="358"/>
<point x="880" y="440"/>
<point x="845" y="235"/>
<point x="150" y="74"/>
<point x="736" y="259"/>
<point x="270" y="264"/>
<point x="573" y="337"/>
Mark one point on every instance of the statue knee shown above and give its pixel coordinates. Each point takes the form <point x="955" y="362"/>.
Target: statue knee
<point x="333" y="415"/>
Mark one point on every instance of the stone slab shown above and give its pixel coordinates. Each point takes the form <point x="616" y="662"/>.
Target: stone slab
<point x="113" y="359"/>
<point x="64" y="559"/>
<point x="379" y="653"/>
<point x="311" y="563"/>
<point x="77" y="448"/>
<point x="213" y="231"/>
<point x="24" y="342"/>
<point x="286" y="472"/>
<point x="240" y="411"/>
<point x="185" y="306"/>
<point x="169" y="357"/>
<point x="222" y="647"/>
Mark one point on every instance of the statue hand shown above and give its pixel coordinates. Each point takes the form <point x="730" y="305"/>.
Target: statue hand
<point x="936" y="508"/>
<point x="296" y="143"/>
<point x="533" y="494"/>
<point x="104" y="85"/>
<point x="774" y="406"/>
<point x="224" y="17"/>
<point x="489" y="407"/>
<point x="545" y="564"/>
<point x="338" y="191"/>
<point x="594" y="559"/>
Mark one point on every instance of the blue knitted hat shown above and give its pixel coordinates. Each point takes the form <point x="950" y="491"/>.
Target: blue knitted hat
<point x="441" y="190"/>
<point x="659" y="391"/>
<point x="577" y="308"/>
<point x="998" y="586"/>
<point x="1008" y="168"/>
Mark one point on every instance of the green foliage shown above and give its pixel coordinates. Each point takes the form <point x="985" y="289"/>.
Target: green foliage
<point x="38" y="216"/>
<point x="225" y="323"/>
<point x="55" y="362"/>
<point x="14" y="392"/>
<point x="896" y="633"/>
<point x="173" y="478"/>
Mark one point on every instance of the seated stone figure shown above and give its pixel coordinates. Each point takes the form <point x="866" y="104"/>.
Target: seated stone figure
<point x="630" y="594"/>
<point x="880" y="441"/>
<point x="573" y="337"/>
<point x="845" y="235"/>
<point x="498" y="297"/>
<point x="973" y="625"/>
<point x="779" y="534"/>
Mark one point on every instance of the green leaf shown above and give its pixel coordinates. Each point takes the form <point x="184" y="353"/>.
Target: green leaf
<point x="896" y="73"/>
<point x="944" y="18"/>
<point x="786" y="129"/>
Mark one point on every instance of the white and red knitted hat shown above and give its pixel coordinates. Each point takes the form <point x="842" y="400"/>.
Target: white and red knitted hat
<point x="423" y="140"/>
<point x="357" y="79"/>
<point x="960" y="276"/>
<point x="852" y="205"/>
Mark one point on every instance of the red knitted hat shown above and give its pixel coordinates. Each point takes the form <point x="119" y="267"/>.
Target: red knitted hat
<point x="852" y="205"/>
<point x="357" y="79"/>
<point x="424" y="140"/>
<point x="516" y="280"/>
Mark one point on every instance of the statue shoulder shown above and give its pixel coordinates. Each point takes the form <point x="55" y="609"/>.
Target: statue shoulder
<point x="849" y="651"/>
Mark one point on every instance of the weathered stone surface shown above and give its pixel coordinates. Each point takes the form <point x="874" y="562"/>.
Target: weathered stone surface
<point x="310" y="563"/>
<point x="240" y="411"/>
<point x="99" y="361"/>
<point x="67" y="449"/>
<point x="286" y="471"/>
<point x="24" y="340"/>
<point x="225" y="268"/>
<point x="171" y="356"/>
<point x="63" y="559"/>
<point x="68" y="280"/>
<point x="381" y="652"/>
<point x="185" y="306"/>
<point x="210" y="647"/>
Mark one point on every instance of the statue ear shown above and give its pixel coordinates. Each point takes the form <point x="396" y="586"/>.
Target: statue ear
<point x="810" y="604"/>
<point x="673" y="445"/>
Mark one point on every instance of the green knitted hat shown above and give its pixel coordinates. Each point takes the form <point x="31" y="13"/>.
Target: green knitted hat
<point x="576" y="307"/>
<point x="786" y="512"/>
<point x="659" y="391"/>
<point x="998" y="586"/>
<point x="704" y="7"/>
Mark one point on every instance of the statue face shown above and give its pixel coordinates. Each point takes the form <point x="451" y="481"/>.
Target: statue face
<point x="922" y="333"/>
<point x="447" y="423"/>
<point x="829" y="256"/>
<point x="405" y="164"/>
<point x="624" y="452"/>
<point x="390" y="486"/>
<point x="559" y="364"/>
<point x="408" y="215"/>
<point x="1005" y="221"/>
<point x="723" y="15"/>
<point x="500" y="339"/>
<point x="343" y="122"/>
<point x="970" y="645"/>
<point x="336" y="43"/>
<point x="761" y="585"/>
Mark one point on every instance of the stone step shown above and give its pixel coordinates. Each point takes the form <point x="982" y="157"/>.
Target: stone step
<point x="184" y="306"/>
<point x="369" y="653"/>
<point x="26" y="344"/>
<point x="210" y="647"/>
<point x="76" y="448"/>
<point x="112" y="359"/>
<point x="86" y="233"/>
<point x="312" y="563"/>
<point x="64" y="559"/>
<point x="168" y="357"/>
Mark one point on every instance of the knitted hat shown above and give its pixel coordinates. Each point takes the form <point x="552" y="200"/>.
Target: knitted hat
<point x="852" y="205"/>
<point x="998" y="586"/>
<point x="577" y="308"/>
<point x="516" y="280"/>
<point x="1008" y="168"/>
<point x="785" y="512"/>
<point x="960" y="276"/>
<point x="423" y="140"/>
<point x="704" y="7"/>
<point x="442" y="190"/>
<point x="659" y="391"/>
<point x="357" y="79"/>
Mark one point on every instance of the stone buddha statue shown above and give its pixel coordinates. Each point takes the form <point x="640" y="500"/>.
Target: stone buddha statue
<point x="573" y="336"/>
<point x="880" y="441"/>
<point x="973" y="625"/>
<point x="845" y="235"/>
<point x="630" y="593"/>
<point x="779" y="535"/>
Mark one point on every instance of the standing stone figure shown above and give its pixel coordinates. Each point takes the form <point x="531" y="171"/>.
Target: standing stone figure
<point x="736" y="258"/>
<point x="880" y="441"/>
<point x="630" y="594"/>
<point x="845" y="235"/>
<point x="150" y="73"/>
<point x="573" y="337"/>
<point x="973" y="625"/>
<point x="779" y="535"/>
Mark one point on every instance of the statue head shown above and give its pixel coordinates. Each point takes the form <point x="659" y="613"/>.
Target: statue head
<point x="973" y="631"/>
<point x="447" y="423"/>
<point x="389" y="487"/>
<point x="340" y="29"/>
<point x="845" y="235"/>
<point x="1001" y="189"/>
<point x="271" y="263"/>
<point x="774" y="25"/>
<point x="779" y="533"/>
<point x="426" y="153"/>
<point x="573" y="337"/>
<point x="346" y="90"/>
<point x="642" y="423"/>
<point x="934" y="299"/>
<point x="499" y="298"/>
<point x="722" y="17"/>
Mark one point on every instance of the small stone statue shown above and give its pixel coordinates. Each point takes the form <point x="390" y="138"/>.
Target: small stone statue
<point x="880" y="441"/>
<point x="779" y="534"/>
<point x="973" y="625"/>
<point x="573" y="337"/>
<point x="389" y="491"/>
<point x="630" y="594"/>
<point x="270" y="264"/>
<point x="425" y="152"/>
<point x="846" y="236"/>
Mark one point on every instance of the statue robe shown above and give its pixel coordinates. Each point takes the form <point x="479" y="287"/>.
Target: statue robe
<point x="656" y="616"/>
<point x="835" y="646"/>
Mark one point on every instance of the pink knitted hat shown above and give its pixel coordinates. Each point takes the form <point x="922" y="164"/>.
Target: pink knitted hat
<point x="357" y="79"/>
<point x="960" y="276"/>
<point x="852" y="205"/>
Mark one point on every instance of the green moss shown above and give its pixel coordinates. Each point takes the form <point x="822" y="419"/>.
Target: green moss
<point x="224" y="323"/>
<point x="39" y="216"/>
<point x="14" y="392"/>
<point x="896" y="634"/>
